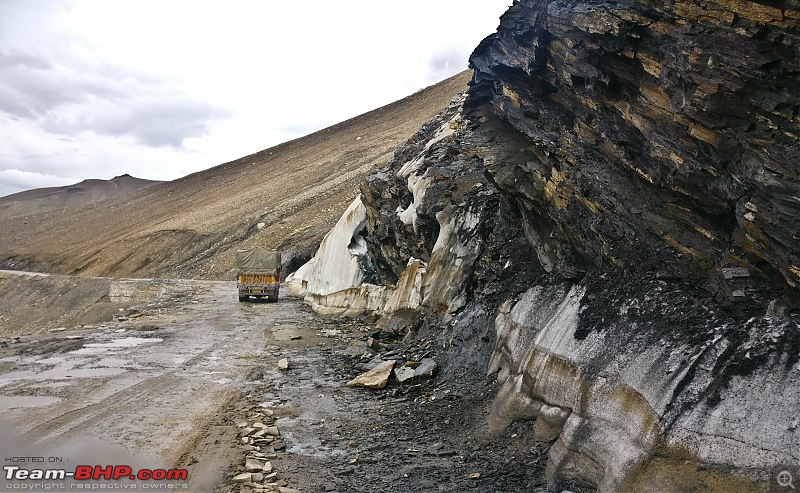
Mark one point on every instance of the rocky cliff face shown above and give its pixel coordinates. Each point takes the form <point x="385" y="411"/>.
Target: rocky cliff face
<point x="662" y="160"/>
<point x="610" y="224"/>
<point x="661" y="137"/>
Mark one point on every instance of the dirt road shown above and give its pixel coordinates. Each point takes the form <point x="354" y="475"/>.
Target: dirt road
<point x="176" y="385"/>
<point x="144" y="388"/>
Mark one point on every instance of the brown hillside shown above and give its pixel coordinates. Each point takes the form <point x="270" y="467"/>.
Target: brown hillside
<point x="50" y="199"/>
<point x="190" y="227"/>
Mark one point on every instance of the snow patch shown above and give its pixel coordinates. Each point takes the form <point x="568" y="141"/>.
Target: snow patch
<point x="417" y="185"/>
<point x="335" y="265"/>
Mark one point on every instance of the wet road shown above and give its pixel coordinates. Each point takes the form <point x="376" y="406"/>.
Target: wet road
<point x="145" y="389"/>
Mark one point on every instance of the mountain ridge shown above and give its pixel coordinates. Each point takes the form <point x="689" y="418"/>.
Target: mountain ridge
<point x="46" y="199"/>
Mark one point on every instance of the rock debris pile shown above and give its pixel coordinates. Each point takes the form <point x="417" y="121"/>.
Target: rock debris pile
<point x="260" y="441"/>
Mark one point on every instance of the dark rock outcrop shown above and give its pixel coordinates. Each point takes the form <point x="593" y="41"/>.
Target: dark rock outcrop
<point x="654" y="148"/>
<point x="661" y="137"/>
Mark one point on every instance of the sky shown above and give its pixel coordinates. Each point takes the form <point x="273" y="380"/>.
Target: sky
<point x="161" y="89"/>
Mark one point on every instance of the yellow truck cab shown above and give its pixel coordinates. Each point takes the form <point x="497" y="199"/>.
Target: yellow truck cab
<point x="258" y="272"/>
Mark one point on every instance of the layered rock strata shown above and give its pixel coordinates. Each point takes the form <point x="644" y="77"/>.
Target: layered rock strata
<point x="661" y="137"/>
<point x="609" y="223"/>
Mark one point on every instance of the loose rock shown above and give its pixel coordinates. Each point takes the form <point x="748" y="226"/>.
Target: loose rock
<point x="253" y="465"/>
<point x="245" y="477"/>
<point x="377" y="378"/>
<point x="426" y="369"/>
<point x="404" y="374"/>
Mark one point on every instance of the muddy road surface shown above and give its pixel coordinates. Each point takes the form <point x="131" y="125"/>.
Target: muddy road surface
<point x="248" y="397"/>
<point x="146" y="388"/>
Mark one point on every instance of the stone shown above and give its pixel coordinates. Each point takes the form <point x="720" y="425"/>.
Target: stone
<point x="273" y="430"/>
<point x="257" y="477"/>
<point x="376" y="378"/>
<point x="267" y="467"/>
<point x="245" y="477"/>
<point x="283" y="489"/>
<point x="427" y="369"/>
<point x="375" y="345"/>
<point x="253" y="465"/>
<point x="734" y="272"/>
<point x="777" y="308"/>
<point x="283" y="364"/>
<point x="404" y="374"/>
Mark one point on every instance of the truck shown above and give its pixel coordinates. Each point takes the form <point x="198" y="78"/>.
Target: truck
<point x="258" y="272"/>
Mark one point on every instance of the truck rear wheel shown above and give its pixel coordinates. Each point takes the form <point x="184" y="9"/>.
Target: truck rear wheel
<point x="242" y="298"/>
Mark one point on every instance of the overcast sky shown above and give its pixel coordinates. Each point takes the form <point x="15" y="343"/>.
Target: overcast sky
<point x="160" y="89"/>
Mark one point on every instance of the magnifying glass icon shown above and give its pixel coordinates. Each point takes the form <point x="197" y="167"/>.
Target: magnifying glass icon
<point x="785" y="479"/>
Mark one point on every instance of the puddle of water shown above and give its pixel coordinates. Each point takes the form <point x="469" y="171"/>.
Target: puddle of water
<point x="116" y="344"/>
<point x="111" y="362"/>
<point x="23" y="401"/>
<point x="61" y="372"/>
<point x="285" y="333"/>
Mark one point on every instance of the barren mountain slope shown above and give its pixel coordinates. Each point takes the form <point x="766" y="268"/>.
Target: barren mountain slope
<point x="50" y="199"/>
<point x="287" y="196"/>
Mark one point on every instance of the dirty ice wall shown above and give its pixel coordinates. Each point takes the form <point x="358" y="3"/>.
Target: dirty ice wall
<point x="431" y="257"/>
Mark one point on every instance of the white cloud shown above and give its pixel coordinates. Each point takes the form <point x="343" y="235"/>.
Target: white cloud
<point x="155" y="88"/>
<point x="14" y="180"/>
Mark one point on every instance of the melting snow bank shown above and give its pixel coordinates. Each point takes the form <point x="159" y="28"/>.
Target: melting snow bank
<point x="332" y="282"/>
<point x="341" y="279"/>
<point x="335" y="266"/>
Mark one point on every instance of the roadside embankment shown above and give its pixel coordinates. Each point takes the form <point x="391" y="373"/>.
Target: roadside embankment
<point x="31" y="304"/>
